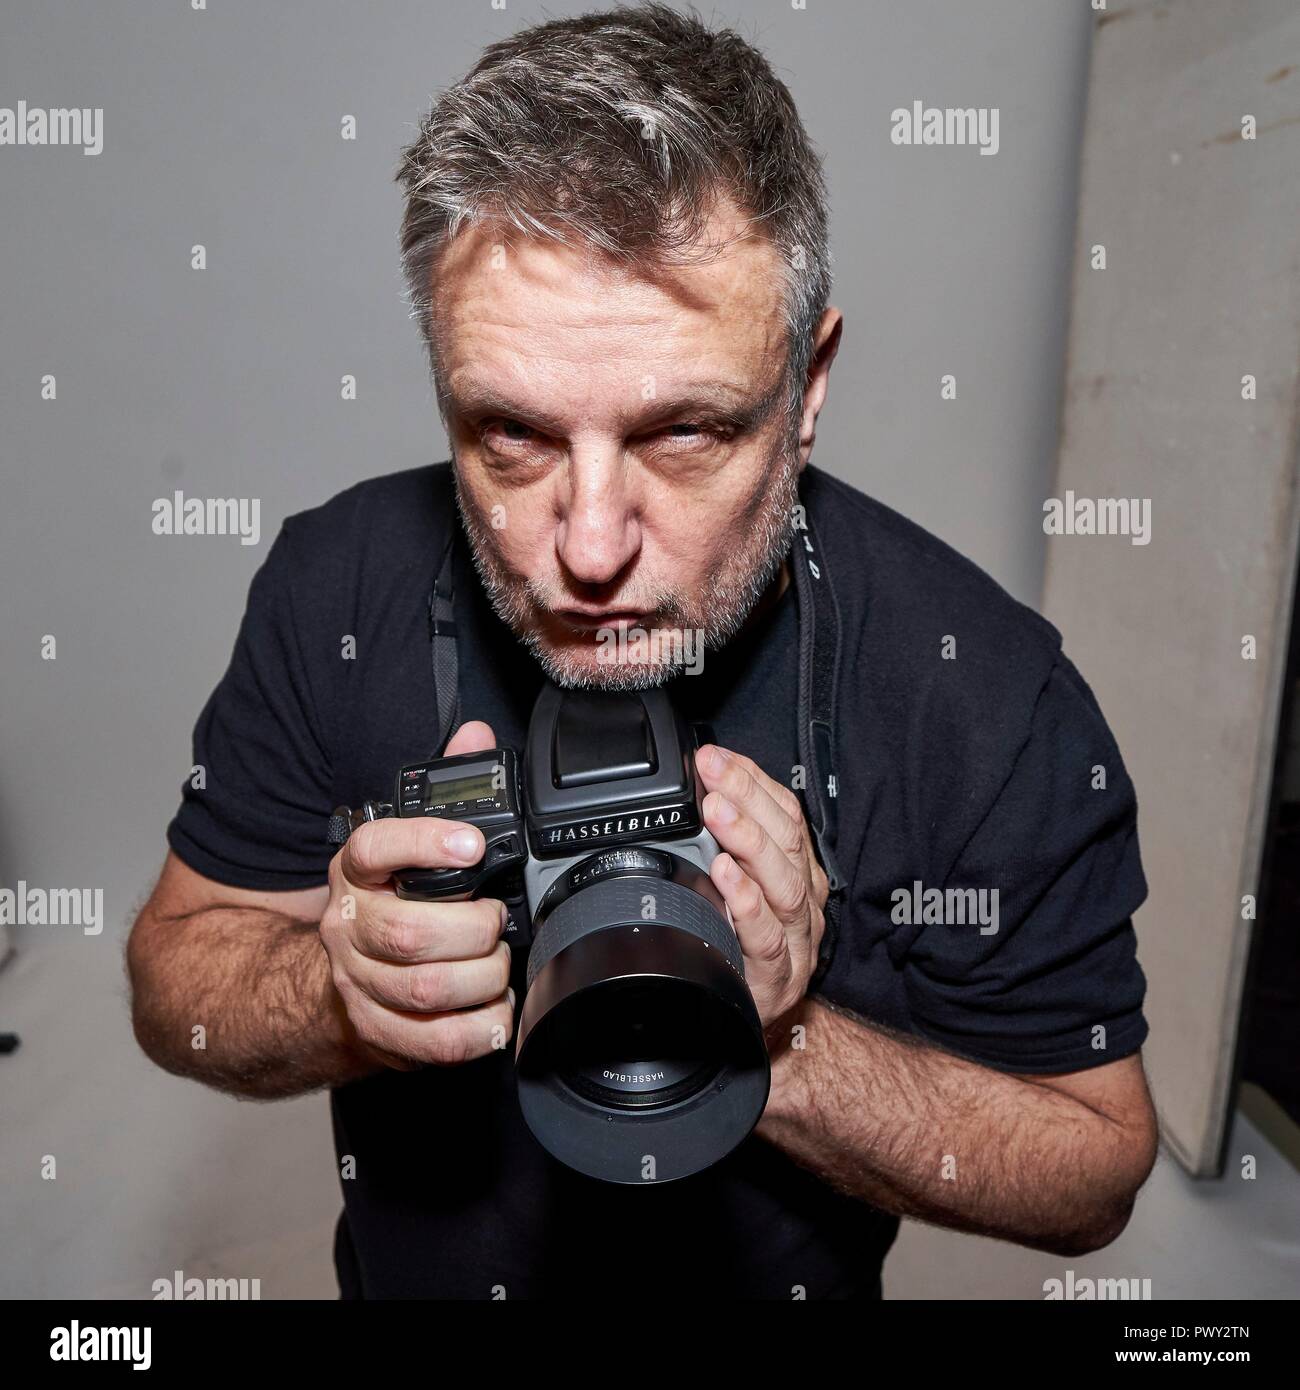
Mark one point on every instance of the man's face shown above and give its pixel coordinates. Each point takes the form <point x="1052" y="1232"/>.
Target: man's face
<point x="622" y="456"/>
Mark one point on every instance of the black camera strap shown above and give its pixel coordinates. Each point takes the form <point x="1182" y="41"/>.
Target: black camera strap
<point x="819" y="669"/>
<point x="442" y="635"/>
<point x="819" y="659"/>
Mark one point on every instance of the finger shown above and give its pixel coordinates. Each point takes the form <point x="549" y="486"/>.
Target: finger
<point x="780" y="877"/>
<point x="815" y="935"/>
<point x="761" y="935"/>
<point x="404" y="932"/>
<point x="435" y="986"/>
<point x="821" y="885"/>
<point x="778" y="809"/>
<point x="474" y="737"/>
<point x="377" y="850"/>
<point x="445" y="1039"/>
<point x="746" y="785"/>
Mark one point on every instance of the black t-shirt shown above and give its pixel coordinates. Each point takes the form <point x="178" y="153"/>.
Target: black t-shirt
<point x="970" y="754"/>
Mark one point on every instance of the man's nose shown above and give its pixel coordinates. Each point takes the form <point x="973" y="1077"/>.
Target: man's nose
<point x="600" y="529"/>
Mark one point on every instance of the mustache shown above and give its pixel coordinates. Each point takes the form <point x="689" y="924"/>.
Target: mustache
<point x="552" y="596"/>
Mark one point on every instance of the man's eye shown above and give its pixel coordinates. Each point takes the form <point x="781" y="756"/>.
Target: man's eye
<point x="503" y="430"/>
<point x="693" y="431"/>
<point x="506" y="431"/>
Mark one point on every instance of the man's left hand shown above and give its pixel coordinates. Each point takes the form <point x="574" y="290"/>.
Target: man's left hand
<point x="769" y="876"/>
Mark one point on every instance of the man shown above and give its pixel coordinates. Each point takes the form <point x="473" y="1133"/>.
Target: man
<point x="616" y="244"/>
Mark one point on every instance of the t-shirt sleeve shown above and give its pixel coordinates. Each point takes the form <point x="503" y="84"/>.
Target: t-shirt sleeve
<point x="1057" y="987"/>
<point x="259" y="817"/>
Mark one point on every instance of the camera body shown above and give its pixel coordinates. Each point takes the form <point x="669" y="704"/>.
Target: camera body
<point x="640" y="1055"/>
<point x="611" y="788"/>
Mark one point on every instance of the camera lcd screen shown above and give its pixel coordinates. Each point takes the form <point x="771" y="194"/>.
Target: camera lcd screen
<point x="447" y="790"/>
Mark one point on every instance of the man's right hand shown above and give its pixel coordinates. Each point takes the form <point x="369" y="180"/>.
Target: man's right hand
<point x="421" y="982"/>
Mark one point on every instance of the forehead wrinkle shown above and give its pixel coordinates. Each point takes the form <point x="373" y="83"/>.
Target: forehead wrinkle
<point x="584" y="292"/>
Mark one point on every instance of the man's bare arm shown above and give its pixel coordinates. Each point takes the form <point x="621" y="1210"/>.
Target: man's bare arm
<point x="249" y="969"/>
<point x="295" y="991"/>
<point x="1049" y="1162"/>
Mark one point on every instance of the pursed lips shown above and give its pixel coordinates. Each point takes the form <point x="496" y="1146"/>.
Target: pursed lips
<point x="585" y="621"/>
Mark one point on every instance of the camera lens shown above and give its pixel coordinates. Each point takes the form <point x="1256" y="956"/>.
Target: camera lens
<point x="636" y="1045"/>
<point x="640" y="1054"/>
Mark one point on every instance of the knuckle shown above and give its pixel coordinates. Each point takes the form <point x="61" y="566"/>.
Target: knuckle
<point x="342" y="982"/>
<point x="791" y="840"/>
<point x="738" y="779"/>
<point x="428" y="986"/>
<point x="453" y="1041"/>
<point x="330" y="921"/>
<point x="502" y="967"/>
<point x="821" y="886"/>
<point x="492" y="911"/>
<point x="760" y="841"/>
<point x="398" y="937"/>
<point x="363" y="849"/>
<point x="818" y="925"/>
<point x="751" y="896"/>
<point x="796" y="895"/>
<point x="770" y="948"/>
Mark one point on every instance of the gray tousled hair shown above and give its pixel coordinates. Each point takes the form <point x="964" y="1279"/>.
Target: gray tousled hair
<point x="619" y="130"/>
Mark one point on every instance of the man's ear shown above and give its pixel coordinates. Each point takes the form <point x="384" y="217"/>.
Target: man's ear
<point x="826" y="343"/>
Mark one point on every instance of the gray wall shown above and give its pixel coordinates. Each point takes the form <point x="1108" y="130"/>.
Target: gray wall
<point x="222" y="128"/>
<point x="1154" y="409"/>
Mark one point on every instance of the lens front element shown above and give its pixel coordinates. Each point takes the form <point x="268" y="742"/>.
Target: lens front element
<point x="640" y="1055"/>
